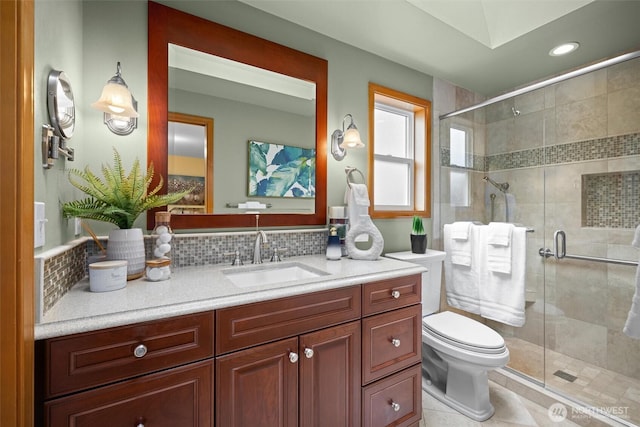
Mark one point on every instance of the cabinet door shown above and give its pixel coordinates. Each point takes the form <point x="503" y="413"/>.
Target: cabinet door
<point x="176" y="397"/>
<point x="330" y="377"/>
<point x="258" y="387"/>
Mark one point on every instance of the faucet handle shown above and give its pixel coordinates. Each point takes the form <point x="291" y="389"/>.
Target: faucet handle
<point x="237" y="260"/>
<point x="276" y="254"/>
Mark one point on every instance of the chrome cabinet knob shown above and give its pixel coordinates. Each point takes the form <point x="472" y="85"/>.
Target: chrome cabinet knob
<point x="395" y="406"/>
<point x="395" y="342"/>
<point x="395" y="294"/>
<point x="140" y="351"/>
<point x="293" y="357"/>
<point x="308" y="353"/>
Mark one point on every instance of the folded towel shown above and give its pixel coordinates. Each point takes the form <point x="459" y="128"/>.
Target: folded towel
<point x="502" y="295"/>
<point x="459" y="243"/>
<point x="499" y="247"/>
<point x="499" y="233"/>
<point x="462" y="280"/>
<point x="632" y="325"/>
<point x="460" y="230"/>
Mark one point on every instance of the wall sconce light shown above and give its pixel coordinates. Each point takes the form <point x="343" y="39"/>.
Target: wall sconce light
<point x="341" y="139"/>
<point x="119" y="106"/>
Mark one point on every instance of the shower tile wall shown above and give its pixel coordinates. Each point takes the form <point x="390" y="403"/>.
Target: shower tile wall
<point x="586" y="126"/>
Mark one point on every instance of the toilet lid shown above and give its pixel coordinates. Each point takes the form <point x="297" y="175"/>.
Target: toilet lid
<point x="464" y="331"/>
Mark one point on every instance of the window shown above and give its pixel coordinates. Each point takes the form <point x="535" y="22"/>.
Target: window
<point x="399" y="159"/>
<point x="460" y="156"/>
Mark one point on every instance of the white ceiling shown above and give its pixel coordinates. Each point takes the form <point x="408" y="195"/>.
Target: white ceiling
<point x="488" y="46"/>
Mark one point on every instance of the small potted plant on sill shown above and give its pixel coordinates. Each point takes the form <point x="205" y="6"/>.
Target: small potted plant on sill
<point x="418" y="236"/>
<point x="119" y="198"/>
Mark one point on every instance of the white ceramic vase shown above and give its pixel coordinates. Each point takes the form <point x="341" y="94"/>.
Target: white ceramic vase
<point x="128" y="245"/>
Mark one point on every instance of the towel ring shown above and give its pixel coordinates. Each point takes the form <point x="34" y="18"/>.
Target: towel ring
<point x="349" y="170"/>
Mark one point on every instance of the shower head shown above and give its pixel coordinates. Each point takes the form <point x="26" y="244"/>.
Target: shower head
<point x="502" y="186"/>
<point x="515" y="112"/>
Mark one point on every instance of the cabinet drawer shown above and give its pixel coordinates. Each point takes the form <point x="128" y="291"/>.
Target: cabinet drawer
<point x="394" y="401"/>
<point x="96" y="358"/>
<point x="176" y="397"/>
<point x="386" y="295"/>
<point x="390" y="342"/>
<point x="251" y="324"/>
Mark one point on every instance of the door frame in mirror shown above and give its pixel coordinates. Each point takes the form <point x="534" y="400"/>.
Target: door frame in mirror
<point x="167" y="25"/>
<point x="207" y="123"/>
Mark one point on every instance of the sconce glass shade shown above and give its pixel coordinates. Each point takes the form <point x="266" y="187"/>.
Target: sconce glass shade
<point x="116" y="98"/>
<point x="342" y="140"/>
<point x="351" y="138"/>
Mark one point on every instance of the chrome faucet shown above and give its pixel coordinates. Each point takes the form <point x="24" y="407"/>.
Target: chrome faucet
<point x="261" y="237"/>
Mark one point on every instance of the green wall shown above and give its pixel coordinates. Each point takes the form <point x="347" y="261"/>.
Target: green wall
<point x="91" y="36"/>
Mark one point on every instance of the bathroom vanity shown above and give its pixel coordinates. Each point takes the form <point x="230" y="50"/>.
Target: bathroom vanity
<point x="342" y="348"/>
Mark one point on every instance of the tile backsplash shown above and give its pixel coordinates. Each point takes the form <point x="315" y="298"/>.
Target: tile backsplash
<point x="59" y="269"/>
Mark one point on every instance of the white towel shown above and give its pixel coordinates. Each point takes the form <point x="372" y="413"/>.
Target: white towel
<point x="459" y="243"/>
<point x="357" y="198"/>
<point x="632" y="326"/>
<point x="499" y="247"/>
<point x="462" y="280"/>
<point x="502" y="295"/>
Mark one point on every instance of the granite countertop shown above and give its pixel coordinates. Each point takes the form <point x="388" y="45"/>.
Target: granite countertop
<point x="197" y="289"/>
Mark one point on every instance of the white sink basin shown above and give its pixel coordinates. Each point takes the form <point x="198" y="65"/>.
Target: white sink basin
<point x="269" y="274"/>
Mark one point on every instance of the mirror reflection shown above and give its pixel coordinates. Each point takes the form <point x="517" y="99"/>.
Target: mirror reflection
<point x="247" y="103"/>
<point x="189" y="162"/>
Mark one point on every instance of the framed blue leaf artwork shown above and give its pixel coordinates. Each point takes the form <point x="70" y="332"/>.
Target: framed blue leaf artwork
<point x="281" y="170"/>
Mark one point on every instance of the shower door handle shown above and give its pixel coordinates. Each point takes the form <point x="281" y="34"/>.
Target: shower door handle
<point x="559" y="244"/>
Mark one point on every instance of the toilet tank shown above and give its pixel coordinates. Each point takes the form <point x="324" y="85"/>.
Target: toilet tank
<point x="431" y="279"/>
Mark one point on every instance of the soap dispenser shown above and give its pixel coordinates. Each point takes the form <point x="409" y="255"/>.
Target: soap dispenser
<point x="334" y="252"/>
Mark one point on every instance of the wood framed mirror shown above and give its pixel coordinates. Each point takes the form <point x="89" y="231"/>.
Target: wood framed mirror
<point x="169" y="26"/>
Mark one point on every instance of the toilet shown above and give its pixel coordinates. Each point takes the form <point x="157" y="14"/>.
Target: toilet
<point x="457" y="351"/>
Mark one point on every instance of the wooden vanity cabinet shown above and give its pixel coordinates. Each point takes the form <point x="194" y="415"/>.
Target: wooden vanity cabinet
<point x="392" y="352"/>
<point x="341" y="357"/>
<point x="160" y="370"/>
<point x="310" y="379"/>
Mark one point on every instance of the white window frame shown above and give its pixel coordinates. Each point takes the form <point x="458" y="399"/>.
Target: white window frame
<point x="409" y="160"/>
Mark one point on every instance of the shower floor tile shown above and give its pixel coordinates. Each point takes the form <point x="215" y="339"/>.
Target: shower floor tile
<point x="594" y="386"/>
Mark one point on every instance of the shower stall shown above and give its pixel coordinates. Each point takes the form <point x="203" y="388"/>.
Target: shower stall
<point x="562" y="158"/>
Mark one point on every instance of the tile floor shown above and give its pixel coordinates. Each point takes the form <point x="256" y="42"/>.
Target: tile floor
<point x="593" y="385"/>
<point x="512" y="410"/>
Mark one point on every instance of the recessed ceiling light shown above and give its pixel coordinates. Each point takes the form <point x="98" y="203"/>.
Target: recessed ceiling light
<point x="564" y="49"/>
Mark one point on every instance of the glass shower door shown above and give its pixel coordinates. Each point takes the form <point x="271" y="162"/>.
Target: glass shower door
<point x="591" y="205"/>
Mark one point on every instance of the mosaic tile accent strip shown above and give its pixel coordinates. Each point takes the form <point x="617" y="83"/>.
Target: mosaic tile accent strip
<point x="61" y="272"/>
<point x="611" y="200"/>
<point x="516" y="159"/>
<point x="478" y="162"/>
<point x="595" y="149"/>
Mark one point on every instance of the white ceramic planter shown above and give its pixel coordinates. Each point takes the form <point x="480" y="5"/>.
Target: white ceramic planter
<point x="128" y="245"/>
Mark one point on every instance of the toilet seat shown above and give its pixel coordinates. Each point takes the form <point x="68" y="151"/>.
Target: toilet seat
<point x="463" y="332"/>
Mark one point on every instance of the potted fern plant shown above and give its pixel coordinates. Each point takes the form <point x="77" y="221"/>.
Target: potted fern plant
<point x="418" y="236"/>
<point x="119" y="198"/>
